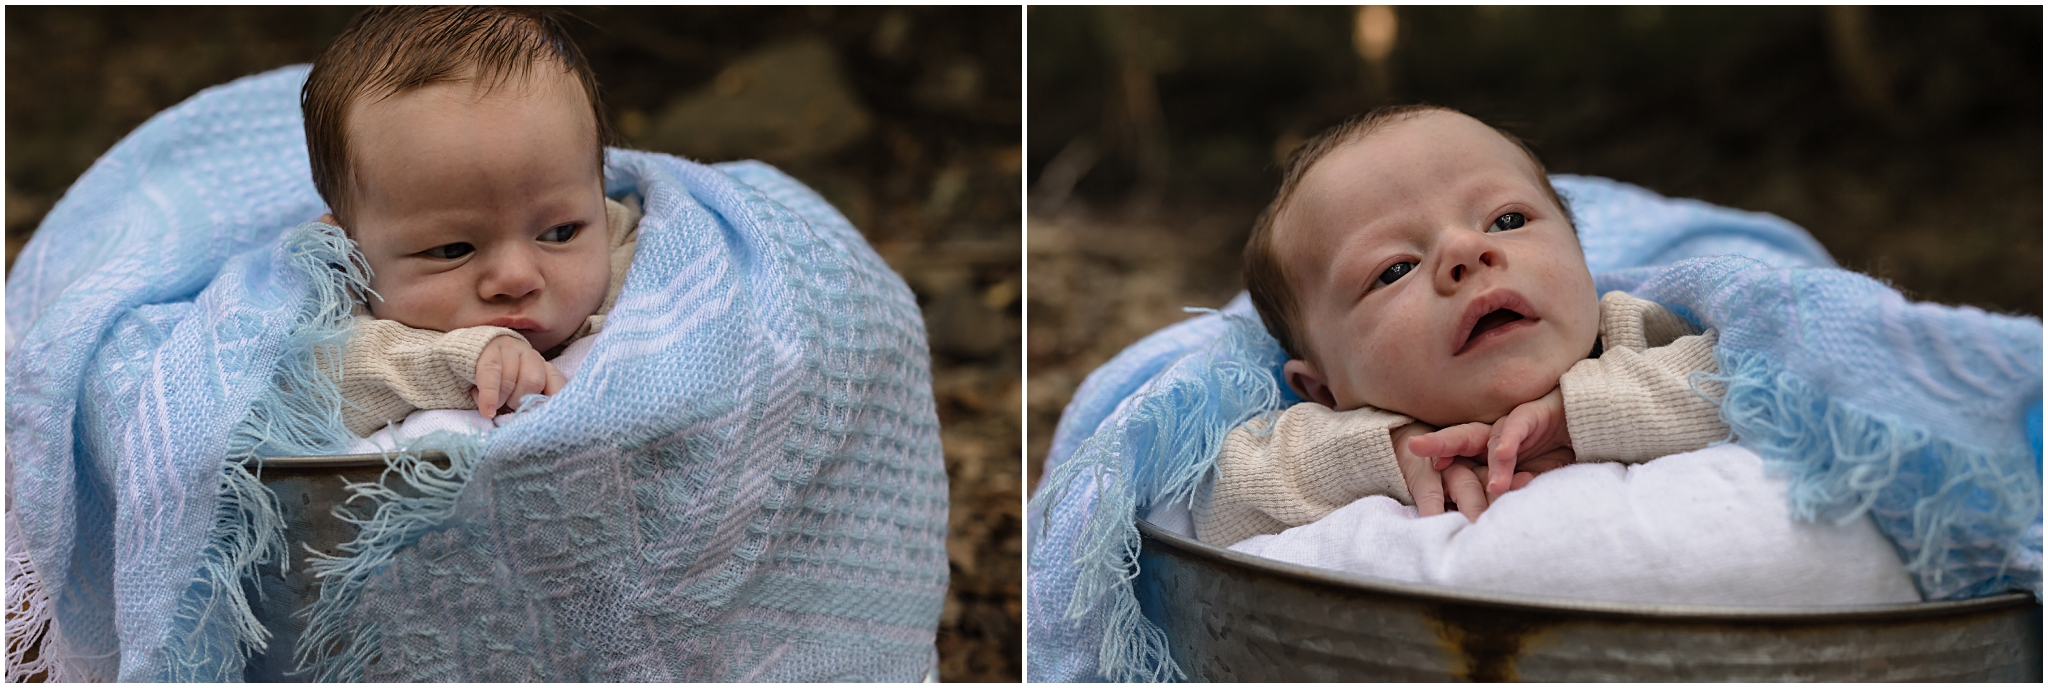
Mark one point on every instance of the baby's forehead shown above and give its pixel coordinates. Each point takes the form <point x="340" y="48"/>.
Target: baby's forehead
<point x="540" y="81"/>
<point x="420" y="110"/>
<point x="1353" y="198"/>
<point x="1400" y="167"/>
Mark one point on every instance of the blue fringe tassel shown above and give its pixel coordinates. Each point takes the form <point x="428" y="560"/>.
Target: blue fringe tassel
<point x="336" y="646"/>
<point x="1958" y="516"/>
<point x="218" y="628"/>
<point x="1170" y="440"/>
<point x="215" y="629"/>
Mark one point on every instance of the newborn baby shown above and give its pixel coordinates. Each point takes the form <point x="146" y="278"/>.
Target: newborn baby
<point x="1429" y="289"/>
<point x="463" y="150"/>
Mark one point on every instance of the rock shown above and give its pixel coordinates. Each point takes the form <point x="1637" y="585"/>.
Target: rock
<point x="782" y="103"/>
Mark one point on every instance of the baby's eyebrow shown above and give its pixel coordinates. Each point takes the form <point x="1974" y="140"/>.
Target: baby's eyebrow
<point x="1349" y="260"/>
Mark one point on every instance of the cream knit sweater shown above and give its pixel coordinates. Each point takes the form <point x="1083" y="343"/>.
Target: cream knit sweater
<point x="389" y="370"/>
<point x="1632" y="404"/>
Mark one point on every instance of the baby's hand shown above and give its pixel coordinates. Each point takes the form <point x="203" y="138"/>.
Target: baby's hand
<point x="1425" y="481"/>
<point x="1464" y="479"/>
<point x="1534" y="429"/>
<point x="1464" y="483"/>
<point x="1434" y="482"/>
<point x="1440" y="464"/>
<point x="508" y="370"/>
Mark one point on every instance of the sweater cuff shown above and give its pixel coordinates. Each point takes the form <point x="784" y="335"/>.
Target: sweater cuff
<point x="460" y="349"/>
<point x="1633" y="406"/>
<point x="1310" y="462"/>
<point x="1359" y="446"/>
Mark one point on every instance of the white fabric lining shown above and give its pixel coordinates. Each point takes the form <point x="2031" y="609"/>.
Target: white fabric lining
<point x="1704" y="528"/>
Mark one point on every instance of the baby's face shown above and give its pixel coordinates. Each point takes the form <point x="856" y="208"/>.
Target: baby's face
<point x="1435" y="276"/>
<point x="482" y="211"/>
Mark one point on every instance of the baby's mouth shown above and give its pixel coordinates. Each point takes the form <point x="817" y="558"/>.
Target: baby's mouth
<point x="524" y="326"/>
<point x="1492" y="321"/>
<point x="1491" y="316"/>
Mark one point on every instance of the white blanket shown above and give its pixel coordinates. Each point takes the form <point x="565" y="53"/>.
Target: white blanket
<point x="1704" y="528"/>
<point x="422" y="422"/>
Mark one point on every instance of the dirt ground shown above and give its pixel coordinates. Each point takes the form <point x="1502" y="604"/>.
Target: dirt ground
<point x="1907" y="140"/>
<point x="909" y="124"/>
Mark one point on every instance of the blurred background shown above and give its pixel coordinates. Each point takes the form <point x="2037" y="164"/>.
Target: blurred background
<point x="906" y="119"/>
<point x="1906" y="139"/>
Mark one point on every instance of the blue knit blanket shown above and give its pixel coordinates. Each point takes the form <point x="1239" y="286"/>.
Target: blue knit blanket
<point x="1925" y="417"/>
<point x="744" y="482"/>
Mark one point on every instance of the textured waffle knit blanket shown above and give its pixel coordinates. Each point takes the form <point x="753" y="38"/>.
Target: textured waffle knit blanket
<point x="1924" y="417"/>
<point x="743" y="483"/>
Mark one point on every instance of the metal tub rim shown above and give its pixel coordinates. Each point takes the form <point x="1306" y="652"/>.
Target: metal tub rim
<point x="1574" y="606"/>
<point x="336" y="460"/>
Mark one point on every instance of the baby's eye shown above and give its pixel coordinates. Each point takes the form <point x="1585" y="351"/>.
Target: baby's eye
<point x="1394" y="273"/>
<point x="1509" y="221"/>
<point x="449" y="251"/>
<point x="561" y="234"/>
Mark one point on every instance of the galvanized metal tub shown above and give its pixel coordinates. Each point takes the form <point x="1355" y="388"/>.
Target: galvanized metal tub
<point x="1230" y="616"/>
<point x="308" y="488"/>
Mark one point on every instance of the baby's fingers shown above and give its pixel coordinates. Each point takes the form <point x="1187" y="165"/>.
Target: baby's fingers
<point x="1465" y="490"/>
<point x="1501" y="452"/>
<point x="1458" y="440"/>
<point x="508" y="380"/>
<point x="489" y="381"/>
<point x="533" y="376"/>
<point x="555" y="380"/>
<point x="1427" y="489"/>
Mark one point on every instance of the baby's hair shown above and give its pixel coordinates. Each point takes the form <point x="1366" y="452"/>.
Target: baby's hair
<point x="387" y="51"/>
<point x="1265" y="275"/>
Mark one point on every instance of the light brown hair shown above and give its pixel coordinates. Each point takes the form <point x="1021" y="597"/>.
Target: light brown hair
<point x="387" y="51"/>
<point x="1265" y="275"/>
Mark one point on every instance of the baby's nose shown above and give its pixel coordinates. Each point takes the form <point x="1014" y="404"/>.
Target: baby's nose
<point x="1465" y="253"/>
<point x="512" y="274"/>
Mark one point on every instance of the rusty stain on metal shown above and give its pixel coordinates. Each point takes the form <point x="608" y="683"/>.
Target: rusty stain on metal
<point x="1487" y="642"/>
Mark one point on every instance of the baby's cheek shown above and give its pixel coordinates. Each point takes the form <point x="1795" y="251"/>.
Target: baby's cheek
<point x="594" y="276"/>
<point x="415" y="305"/>
<point x="381" y="282"/>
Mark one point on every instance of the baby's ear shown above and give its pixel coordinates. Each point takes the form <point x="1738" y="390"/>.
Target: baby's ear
<point x="1307" y="382"/>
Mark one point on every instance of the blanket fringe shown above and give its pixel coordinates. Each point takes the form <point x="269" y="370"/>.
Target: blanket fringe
<point x="300" y="413"/>
<point x="216" y="630"/>
<point x="1932" y="497"/>
<point x="219" y="626"/>
<point x="34" y="654"/>
<point x="1170" y="440"/>
<point x="335" y="646"/>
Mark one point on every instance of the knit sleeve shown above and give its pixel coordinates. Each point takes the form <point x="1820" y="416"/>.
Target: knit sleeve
<point x="1634" y="405"/>
<point x="389" y="370"/>
<point x="1313" y="461"/>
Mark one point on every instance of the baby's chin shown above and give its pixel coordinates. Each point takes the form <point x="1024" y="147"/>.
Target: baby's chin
<point x="1484" y="405"/>
<point x="1510" y="392"/>
<point x="553" y="336"/>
